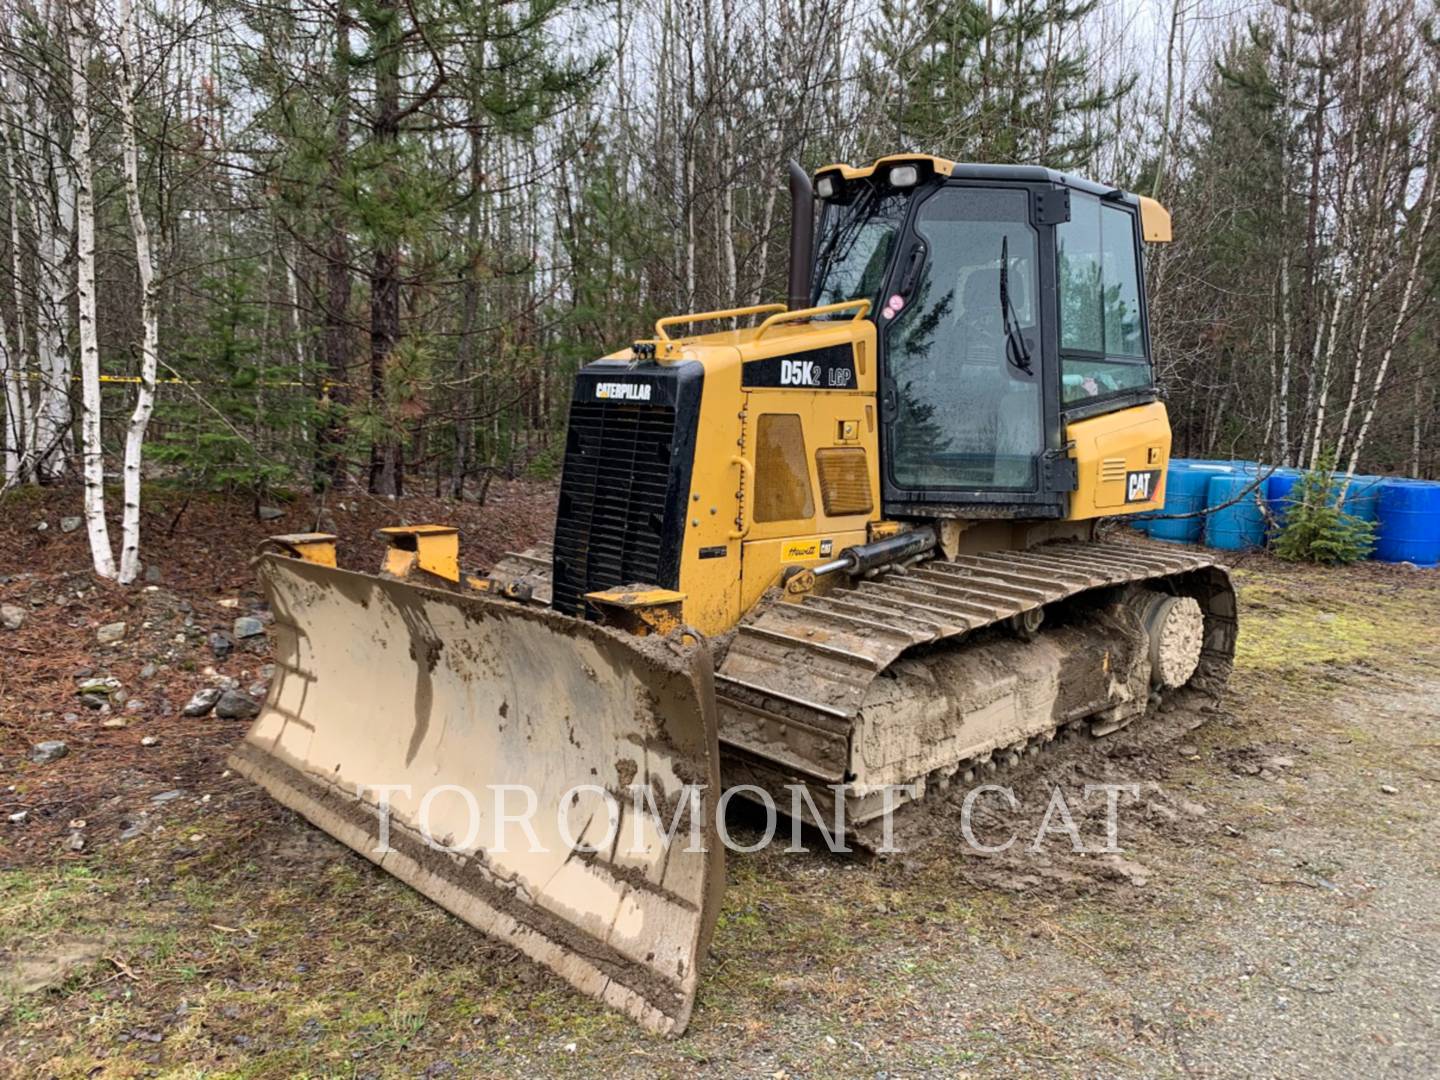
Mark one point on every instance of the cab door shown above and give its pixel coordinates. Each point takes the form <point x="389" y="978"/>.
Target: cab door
<point x="966" y="406"/>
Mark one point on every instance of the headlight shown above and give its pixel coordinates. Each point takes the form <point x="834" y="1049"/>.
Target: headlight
<point x="825" y="188"/>
<point x="903" y="176"/>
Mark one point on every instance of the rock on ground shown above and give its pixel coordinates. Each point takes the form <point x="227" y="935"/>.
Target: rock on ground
<point x="11" y="617"/>
<point x="234" y="705"/>
<point x="111" y="633"/>
<point x="42" y="753"/>
<point x="201" y="702"/>
<point x="43" y="968"/>
<point x="247" y="626"/>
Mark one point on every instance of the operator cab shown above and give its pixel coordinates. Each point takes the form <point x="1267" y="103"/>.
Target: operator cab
<point x="1008" y="302"/>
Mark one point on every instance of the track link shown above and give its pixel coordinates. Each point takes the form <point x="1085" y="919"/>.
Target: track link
<point x="796" y="676"/>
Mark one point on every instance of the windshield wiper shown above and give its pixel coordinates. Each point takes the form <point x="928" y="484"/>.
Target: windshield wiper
<point x="1017" y="353"/>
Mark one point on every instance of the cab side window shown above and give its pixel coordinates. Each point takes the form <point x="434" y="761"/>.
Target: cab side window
<point x="1102" y="340"/>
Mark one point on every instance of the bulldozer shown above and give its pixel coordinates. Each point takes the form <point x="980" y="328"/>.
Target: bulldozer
<point x="837" y="553"/>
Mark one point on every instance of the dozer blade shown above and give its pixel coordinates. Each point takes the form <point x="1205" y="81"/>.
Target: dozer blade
<point x="465" y="710"/>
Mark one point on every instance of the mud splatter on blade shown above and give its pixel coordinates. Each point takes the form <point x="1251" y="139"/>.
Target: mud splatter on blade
<point x="432" y="695"/>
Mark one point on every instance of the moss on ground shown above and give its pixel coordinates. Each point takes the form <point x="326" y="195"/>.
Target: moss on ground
<point x="1320" y="619"/>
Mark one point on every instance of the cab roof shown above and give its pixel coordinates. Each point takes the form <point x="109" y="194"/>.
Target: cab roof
<point x="1154" y="218"/>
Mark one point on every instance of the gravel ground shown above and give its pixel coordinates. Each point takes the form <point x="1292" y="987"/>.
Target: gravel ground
<point x="1274" y="909"/>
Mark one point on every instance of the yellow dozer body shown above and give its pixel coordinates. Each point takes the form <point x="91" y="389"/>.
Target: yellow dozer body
<point x="846" y="554"/>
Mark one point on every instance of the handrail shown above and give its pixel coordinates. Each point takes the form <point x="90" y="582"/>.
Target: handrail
<point x="745" y="518"/>
<point x="861" y="305"/>
<point x="706" y="316"/>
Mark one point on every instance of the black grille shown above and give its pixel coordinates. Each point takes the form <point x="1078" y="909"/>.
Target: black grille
<point x="611" y="528"/>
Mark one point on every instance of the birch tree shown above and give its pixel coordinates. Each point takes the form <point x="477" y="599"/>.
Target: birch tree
<point x="92" y="450"/>
<point x="149" y="316"/>
<point x="1420" y="236"/>
<point x="14" y="358"/>
<point x="45" y="175"/>
<point x="12" y="422"/>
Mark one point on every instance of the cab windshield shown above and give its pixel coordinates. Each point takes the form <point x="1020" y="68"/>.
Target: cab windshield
<point x="857" y="238"/>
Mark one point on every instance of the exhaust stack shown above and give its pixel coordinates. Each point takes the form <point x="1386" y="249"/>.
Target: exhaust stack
<point x="802" y="236"/>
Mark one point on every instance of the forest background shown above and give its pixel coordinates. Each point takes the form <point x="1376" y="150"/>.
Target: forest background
<point x="340" y="243"/>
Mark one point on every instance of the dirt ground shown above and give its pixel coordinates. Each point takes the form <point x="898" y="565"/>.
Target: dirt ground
<point x="1274" y="909"/>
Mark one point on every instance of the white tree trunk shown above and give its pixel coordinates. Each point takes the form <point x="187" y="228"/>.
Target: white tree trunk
<point x="1381" y="233"/>
<point x="1282" y="391"/>
<point x="41" y="167"/>
<point x="1331" y="335"/>
<point x="1176" y="14"/>
<point x="1398" y="326"/>
<point x="292" y="281"/>
<point x="15" y="364"/>
<point x="149" y="317"/>
<point x="767" y="222"/>
<point x="53" y="214"/>
<point x="91" y="451"/>
<point x="1343" y="227"/>
<point x="12" y="426"/>
<point x="1366" y="308"/>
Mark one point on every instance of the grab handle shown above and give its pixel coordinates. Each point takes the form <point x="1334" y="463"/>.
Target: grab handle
<point x="861" y="306"/>
<point x="661" y="325"/>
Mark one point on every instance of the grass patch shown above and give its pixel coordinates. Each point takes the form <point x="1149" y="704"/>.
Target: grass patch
<point x="1319" y="621"/>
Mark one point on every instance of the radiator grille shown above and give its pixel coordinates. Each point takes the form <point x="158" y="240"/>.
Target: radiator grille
<point x="844" y="480"/>
<point x="611" y="525"/>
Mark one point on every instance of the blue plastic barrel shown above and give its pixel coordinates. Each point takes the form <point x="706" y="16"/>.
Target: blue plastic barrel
<point x="1409" y="522"/>
<point x="1185" y="485"/>
<point x="1278" y="492"/>
<point x="1362" y="498"/>
<point x="1240" y="527"/>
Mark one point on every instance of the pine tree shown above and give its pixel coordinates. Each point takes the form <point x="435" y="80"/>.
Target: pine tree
<point x="966" y="81"/>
